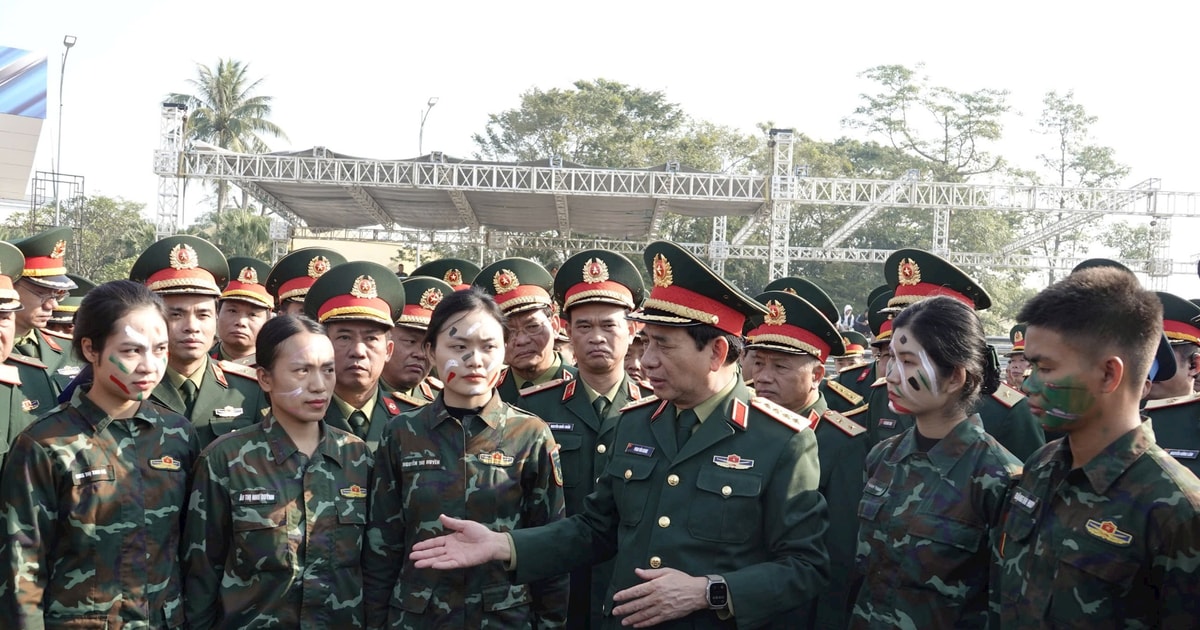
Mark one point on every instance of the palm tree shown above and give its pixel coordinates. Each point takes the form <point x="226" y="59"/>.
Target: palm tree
<point x="225" y="111"/>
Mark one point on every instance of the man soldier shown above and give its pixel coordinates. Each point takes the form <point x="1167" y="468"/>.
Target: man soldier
<point x="16" y="411"/>
<point x="1015" y="374"/>
<point x="867" y="379"/>
<point x="43" y="283"/>
<point x="217" y="396"/>
<point x="62" y="320"/>
<point x="1173" y="406"/>
<point x="522" y="290"/>
<point x="855" y="357"/>
<point x="710" y="502"/>
<point x="456" y="272"/>
<point x="293" y="274"/>
<point x="792" y="342"/>
<point x="406" y="375"/>
<point x="358" y="303"/>
<point x="598" y="289"/>
<point x="244" y="306"/>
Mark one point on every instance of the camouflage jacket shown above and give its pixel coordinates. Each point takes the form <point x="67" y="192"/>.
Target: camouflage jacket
<point x="1111" y="544"/>
<point x="500" y="469"/>
<point x="93" y="508"/>
<point x="926" y="526"/>
<point x="273" y="537"/>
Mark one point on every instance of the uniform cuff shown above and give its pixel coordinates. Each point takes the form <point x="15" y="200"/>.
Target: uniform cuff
<point x="511" y="565"/>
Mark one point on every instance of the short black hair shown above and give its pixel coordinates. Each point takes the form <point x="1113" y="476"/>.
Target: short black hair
<point x="464" y="301"/>
<point x="952" y="335"/>
<point x="103" y="306"/>
<point x="702" y="334"/>
<point x="1101" y="310"/>
<point x="278" y="330"/>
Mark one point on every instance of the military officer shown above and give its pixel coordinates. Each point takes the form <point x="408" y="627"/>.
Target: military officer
<point x="1015" y="374"/>
<point x="217" y="396"/>
<point x="358" y="303"/>
<point x="244" y="306"/>
<point x="598" y="289"/>
<point x="792" y="342"/>
<point x="16" y="410"/>
<point x="406" y="376"/>
<point x="1172" y="405"/>
<point x="866" y="380"/>
<point x="39" y="350"/>
<point x="882" y="421"/>
<point x="856" y="352"/>
<point x="456" y="272"/>
<point x="715" y="491"/>
<point x="522" y="289"/>
<point x="293" y="274"/>
<point x="62" y="320"/>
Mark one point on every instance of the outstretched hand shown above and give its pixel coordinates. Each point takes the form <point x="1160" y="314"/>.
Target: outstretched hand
<point x="468" y="544"/>
<point x="665" y="594"/>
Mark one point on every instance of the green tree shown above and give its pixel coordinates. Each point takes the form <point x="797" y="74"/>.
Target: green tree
<point x="225" y="110"/>
<point x="241" y="232"/>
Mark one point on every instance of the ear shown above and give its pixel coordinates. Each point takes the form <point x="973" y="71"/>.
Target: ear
<point x="818" y="372"/>
<point x="719" y="350"/>
<point x="89" y="352"/>
<point x="1113" y="372"/>
<point x="428" y="352"/>
<point x="956" y="380"/>
<point x="391" y="345"/>
<point x="264" y="379"/>
<point x="1193" y="364"/>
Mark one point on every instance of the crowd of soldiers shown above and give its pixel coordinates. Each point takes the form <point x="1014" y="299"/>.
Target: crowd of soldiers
<point x="322" y="443"/>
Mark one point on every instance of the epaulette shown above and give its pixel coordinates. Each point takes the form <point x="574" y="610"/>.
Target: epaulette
<point x="1163" y="403"/>
<point x="848" y="426"/>
<point x="47" y="337"/>
<point x="435" y="383"/>
<point x="411" y="400"/>
<point x="857" y="410"/>
<point x="390" y="405"/>
<point x="10" y="375"/>
<point x="781" y="415"/>
<point x="20" y="358"/>
<point x="244" y="371"/>
<point x="1007" y="396"/>
<point x="879" y="382"/>
<point x="639" y="403"/>
<point x="426" y="390"/>
<point x="533" y="389"/>
<point x="55" y="333"/>
<point x="850" y="395"/>
<point x="849" y="368"/>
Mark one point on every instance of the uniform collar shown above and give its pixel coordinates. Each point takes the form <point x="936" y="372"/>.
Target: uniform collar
<point x="196" y="377"/>
<point x="283" y="447"/>
<point x="1106" y="467"/>
<point x="99" y="419"/>
<point x="492" y="413"/>
<point x="609" y="395"/>
<point x="947" y="452"/>
<point x="367" y="409"/>
<point x="706" y="408"/>
<point x="544" y="377"/>
<point x="818" y="407"/>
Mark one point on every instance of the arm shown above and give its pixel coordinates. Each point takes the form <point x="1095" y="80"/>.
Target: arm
<point x="384" y="540"/>
<point x="1174" y="566"/>
<point x="206" y="535"/>
<point x="544" y="504"/>
<point x="29" y="496"/>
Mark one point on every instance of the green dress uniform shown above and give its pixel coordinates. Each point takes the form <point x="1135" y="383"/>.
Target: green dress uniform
<point x="341" y="416"/>
<point x="510" y="385"/>
<point x="228" y="398"/>
<point x="294" y="274"/>
<point x="499" y="467"/>
<point x="45" y="266"/>
<point x="274" y="537"/>
<point x="1177" y="419"/>
<point x="94" y="511"/>
<point x="422" y="294"/>
<point x="1110" y="544"/>
<point x="17" y="411"/>
<point x="246" y="286"/>
<point x="64" y="314"/>
<point x="927" y="523"/>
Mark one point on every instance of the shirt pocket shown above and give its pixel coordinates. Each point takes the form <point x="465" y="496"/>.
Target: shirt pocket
<point x="872" y="502"/>
<point x="631" y="485"/>
<point x="260" y="539"/>
<point x="94" y="499"/>
<point x="1093" y="581"/>
<point x="727" y="508"/>
<point x="946" y="555"/>
<point x="348" y="532"/>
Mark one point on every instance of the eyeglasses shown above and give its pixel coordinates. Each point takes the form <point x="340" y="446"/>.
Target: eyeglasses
<point x="42" y="296"/>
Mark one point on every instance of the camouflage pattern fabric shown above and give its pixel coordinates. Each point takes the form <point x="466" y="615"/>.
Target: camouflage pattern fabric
<point x="499" y="468"/>
<point x="926" y="526"/>
<point x="1112" y="544"/>
<point x="274" y="537"/>
<point x="92" y="510"/>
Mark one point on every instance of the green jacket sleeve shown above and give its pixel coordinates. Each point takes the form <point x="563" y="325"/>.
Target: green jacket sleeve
<point x="206" y="545"/>
<point x="384" y="546"/>
<point x="28" y="494"/>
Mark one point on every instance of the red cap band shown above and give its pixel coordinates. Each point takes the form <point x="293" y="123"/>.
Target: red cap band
<point x="1181" y="331"/>
<point x="923" y="290"/>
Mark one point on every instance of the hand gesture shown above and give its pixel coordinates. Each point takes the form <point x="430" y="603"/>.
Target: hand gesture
<point x="665" y="595"/>
<point x="468" y="544"/>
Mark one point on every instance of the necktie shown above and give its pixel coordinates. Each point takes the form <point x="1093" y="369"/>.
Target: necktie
<point x="358" y="421"/>
<point x="687" y="420"/>
<point x="601" y="407"/>
<point x="188" y="392"/>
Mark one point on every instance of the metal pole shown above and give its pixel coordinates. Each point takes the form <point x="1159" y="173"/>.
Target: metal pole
<point x="424" y="114"/>
<point x="68" y="42"/>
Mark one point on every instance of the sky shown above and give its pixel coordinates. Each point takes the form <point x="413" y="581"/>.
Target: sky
<point x="354" y="76"/>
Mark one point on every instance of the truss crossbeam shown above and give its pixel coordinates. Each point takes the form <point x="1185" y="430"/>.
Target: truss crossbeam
<point x="368" y="203"/>
<point x="271" y="201"/>
<point x="465" y="212"/>
<point x="856" y="221"/>
<point x="564" y="215"/>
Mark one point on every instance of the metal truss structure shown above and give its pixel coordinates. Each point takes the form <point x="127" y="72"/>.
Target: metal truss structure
<point x="433" y="199"/>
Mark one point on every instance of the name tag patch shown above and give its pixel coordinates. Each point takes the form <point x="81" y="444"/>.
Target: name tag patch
<point x="100" y="473"/>
<point x="421" y="463"/>
<point x="1024" y="500"/>
<point x="227" y="412"/>
<point x="887" y="423"/>
<point x="1180" y="453"/>
<point x="562" y="426"/>
<point x="638" y="449"/>
<point x="255" y="497"/>
<point x="875" y="488"/>
<point x="29" y="405"/>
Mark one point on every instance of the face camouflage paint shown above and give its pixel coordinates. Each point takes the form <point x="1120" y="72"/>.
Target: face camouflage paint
<point x="917" y="387"/>
<point x="1064" y="401"/>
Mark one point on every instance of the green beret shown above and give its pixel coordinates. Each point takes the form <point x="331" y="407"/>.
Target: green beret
<point x="598" y="276"/>
<point x="181" y="264"/>
<point x="518" y="284"/>
<point x="356" y="291"/>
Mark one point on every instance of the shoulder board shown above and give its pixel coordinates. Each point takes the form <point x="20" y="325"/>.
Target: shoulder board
<point x="49" y="339"/>
<point x="30" y="361"/>
<point x="435" y="383"/>
<point x="409" y="400"/>
<point x="244" y="371"/>
<point x="55" y="333"/>
<point x="426" y="390"/>
<point x="879" y="382"/>
<point x="533" y="389"/>
<point x="855" y="411"/>
<point x="850" y="395"/>
<point x="1163" y="403"/>
<point x="639" y="403"/>
<point x="390" y="405"/>
<point x="1007" y="396"/>
<point x="848" y="426"/>
<point x="781" y="415"/>
<point x="850" y="368"/>
<point x="10" y="375"/>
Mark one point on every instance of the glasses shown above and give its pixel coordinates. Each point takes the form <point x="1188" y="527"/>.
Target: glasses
<point x="43" y="296"/>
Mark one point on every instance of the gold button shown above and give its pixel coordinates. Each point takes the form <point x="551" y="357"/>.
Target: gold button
<point x="655" y="562"/>
<point x="600" y="448"/>
<point x="726" y="491"/>
<point x="664" y="521"/>
<point x="672" y="480"/>
<point x="628" y="474"/>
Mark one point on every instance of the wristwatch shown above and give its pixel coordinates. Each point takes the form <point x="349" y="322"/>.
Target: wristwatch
<point x="717" y="592"/>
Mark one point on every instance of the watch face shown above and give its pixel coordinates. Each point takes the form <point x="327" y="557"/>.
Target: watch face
<point x="718" y="594"/>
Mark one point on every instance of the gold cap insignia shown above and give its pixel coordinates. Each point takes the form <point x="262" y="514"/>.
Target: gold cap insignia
<point x="430" y="298"/>
<point x="790" y="290"/>
<point x="364" y="288"/>
<point x="453" y="277"/>
<point x="662" y="271"/>
<point x="248" y="275"/>
<point x="910" y="272"/>
<point x="318" y="266"/>
<point x="1018" y="337"/>
<point x="505" y="281"/>
<point x="60" y="250"/>
<point x="184" y="257"/>
<point x="595" y="271"/>
<point x="776" y="314"/>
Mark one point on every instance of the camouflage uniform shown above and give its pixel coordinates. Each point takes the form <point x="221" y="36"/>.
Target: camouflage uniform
<point x="927" y="521"/>
<point x="93" y="508"/>
<point x="499" y="469"/>
<point x="1109" y="545"/>
<point x="274" y="537"/>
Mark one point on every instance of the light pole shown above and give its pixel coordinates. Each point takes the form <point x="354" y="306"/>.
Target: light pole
<point x="425" y="114"/>
<point x="68" y="42"/>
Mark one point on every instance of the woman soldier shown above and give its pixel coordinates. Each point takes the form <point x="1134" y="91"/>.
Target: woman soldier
<point x="93" y="493"/>
<point x="275" y="525"/>
<point x="471" y="455"/>
<point x="934" y="493"/>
